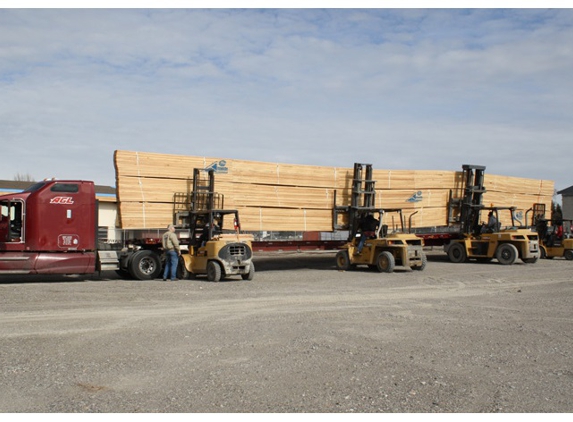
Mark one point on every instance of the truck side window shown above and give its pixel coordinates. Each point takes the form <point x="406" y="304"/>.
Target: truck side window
<point x="65" y="187"/>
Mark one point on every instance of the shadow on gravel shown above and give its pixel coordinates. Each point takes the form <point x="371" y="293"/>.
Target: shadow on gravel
<point x="436" y="255"/>
<point x="58" y="278"/>
<point x="294" y="261"/>
<point x="269" y="261"/>
<point x="320" y="261"/>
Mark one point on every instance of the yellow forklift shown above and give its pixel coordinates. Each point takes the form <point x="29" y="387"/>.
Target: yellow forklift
<point x="215" y="247"/>
<point x="553" y="241"/>
<point x="376" y="246"/>
<point x="482" y="241"/>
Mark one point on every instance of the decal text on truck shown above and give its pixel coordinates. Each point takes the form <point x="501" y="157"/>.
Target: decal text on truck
<point x="65" y="200"/>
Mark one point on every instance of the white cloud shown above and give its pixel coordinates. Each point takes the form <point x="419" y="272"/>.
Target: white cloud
<point x="406" y="88"/>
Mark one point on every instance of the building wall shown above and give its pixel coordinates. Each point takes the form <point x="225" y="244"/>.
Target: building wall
<point x="107" y="216"/>
<point x="567" y="207"/>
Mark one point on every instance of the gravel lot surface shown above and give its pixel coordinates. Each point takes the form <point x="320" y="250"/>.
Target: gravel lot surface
<point x="300" y="337"/>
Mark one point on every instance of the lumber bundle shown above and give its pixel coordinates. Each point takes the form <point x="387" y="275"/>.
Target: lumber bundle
<point x="288" y="197"/>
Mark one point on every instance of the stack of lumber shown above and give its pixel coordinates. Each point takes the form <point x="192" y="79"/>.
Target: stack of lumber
<point x="287" y="197"/>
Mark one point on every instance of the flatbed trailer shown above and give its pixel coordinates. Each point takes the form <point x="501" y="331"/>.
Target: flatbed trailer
<point x="297" y="245"/>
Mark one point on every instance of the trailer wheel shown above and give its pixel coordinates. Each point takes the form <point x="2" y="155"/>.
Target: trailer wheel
<point x="424" y="262"/>
<point x="213" y="271"/>
<point x="457" y="253"/>
<point x="249" y="276"/>
<point x="506" y="254"/>
<point x="342" y="261"/>
<point x="568" y="254"/>
<point x="385" y="262"/>
<point x="145" y="265"/>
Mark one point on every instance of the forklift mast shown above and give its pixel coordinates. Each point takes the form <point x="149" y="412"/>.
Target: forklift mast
<point x="362" y="201"/>
<point x="200" y="209"/>
<point x="466" y="210"/>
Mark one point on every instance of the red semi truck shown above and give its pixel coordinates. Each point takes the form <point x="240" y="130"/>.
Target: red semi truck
<point x="51" y="228"/>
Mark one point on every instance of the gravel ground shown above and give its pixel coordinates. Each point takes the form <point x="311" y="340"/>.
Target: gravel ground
<point x="300" y="337"/>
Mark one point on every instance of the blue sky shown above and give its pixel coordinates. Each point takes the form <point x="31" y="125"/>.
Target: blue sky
<point x="398" y="88"/>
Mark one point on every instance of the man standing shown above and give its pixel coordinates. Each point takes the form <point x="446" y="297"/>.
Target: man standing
<point x="172" y="252"/>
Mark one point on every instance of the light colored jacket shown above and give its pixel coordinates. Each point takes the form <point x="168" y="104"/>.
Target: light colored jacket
<point x="170" y="241"/>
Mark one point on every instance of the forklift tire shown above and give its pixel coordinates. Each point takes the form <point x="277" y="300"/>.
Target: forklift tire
<point x="249" y="276"/>
<point x="568" y="254"/>
<point x="542" y="253"/>
<point x="385" y="262"/>
<point x="213" y="271"/>
<point x="424" y="263"/>
<point x="342" y="261"/>
<point x="506" y="254"/>
<point x="457" y="253"/>
<point x="182" y="273"/>
<point x="145" y="265"/>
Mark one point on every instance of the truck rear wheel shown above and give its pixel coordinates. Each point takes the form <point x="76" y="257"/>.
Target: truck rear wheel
<point x="249" y="276"/>
<point x="457" y="253"/>
<point x="342" y="261"/>
<point x="213" y="271"/>
<point x="385" y="262"/>
<point x="145" y="265"/>
<point x="424" y="263"/>
<point x="506" y="254"/>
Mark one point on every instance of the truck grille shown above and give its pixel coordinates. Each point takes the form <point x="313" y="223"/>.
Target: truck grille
<point x="238" y="251"/>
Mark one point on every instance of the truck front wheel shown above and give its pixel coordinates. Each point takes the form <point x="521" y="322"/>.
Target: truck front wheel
<point x="145" y="265"/>
<point x="385" y="262"/>
<point x="213" y="271"/>
<point x="506" y="254"/>
<point x="457" y="253"/>
<point x="249" y="276"/>
<point x="342" y="261"/>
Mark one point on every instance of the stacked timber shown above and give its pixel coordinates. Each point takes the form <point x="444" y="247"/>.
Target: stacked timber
<point x="288" y="197"/>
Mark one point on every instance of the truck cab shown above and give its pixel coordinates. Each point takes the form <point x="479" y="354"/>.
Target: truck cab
<point x="49" y="228"/>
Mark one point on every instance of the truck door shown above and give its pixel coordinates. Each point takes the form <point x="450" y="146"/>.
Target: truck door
<point x="11" y="221"/>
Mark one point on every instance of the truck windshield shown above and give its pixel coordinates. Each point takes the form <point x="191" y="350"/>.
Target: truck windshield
<point x="35" y="187"/>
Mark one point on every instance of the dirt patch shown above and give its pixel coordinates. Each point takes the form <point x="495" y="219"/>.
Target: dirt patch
<point x="300" y="337"/>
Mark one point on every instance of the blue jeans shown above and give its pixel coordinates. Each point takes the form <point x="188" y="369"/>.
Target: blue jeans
<point x="171" y="261"/>
<point x="361" y="242"/>
<point x="363" y="238"/>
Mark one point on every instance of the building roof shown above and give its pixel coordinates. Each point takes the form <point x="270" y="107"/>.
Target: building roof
<point x="566" y="192"/>
<point x="12" y="186"/>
